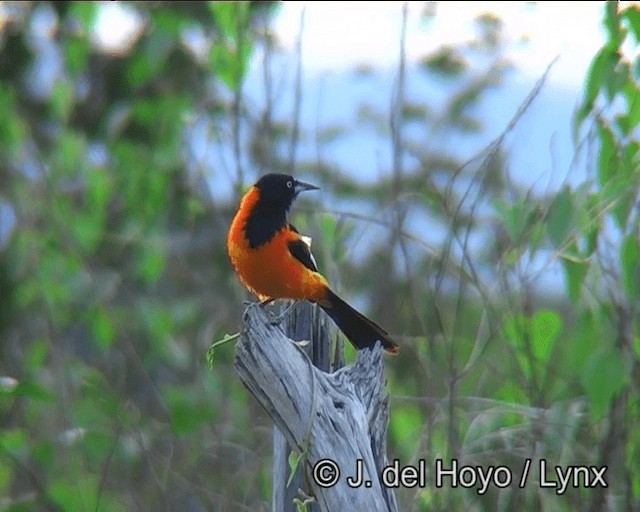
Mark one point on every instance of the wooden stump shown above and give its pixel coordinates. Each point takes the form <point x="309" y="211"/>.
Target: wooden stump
<point x="336" y="419"/>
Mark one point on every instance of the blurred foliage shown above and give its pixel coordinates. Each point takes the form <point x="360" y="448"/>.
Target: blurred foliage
<point x="114" y="278"/>
<point x="115" y="273"/>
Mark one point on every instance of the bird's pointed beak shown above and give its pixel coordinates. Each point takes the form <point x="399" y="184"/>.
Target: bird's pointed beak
<point x="301" y="186"/>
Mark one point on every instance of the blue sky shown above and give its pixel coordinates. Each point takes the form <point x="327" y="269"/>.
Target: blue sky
<point x="337" y="36"/>
<point x="340" y="35"/>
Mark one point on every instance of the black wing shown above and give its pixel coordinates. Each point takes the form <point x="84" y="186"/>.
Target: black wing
<point x="301" y="250"/>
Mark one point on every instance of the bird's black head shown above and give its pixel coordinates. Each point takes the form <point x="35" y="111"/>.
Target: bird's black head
<point x="269" y="213"/>
<point x="278" y="191"/>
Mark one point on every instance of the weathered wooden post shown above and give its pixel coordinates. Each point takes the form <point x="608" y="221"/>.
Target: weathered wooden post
<point x="305" y="322"/>
<point x="339" y="417"/>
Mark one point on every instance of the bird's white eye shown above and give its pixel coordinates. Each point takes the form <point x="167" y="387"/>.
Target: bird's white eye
<point x="289" y="184"/>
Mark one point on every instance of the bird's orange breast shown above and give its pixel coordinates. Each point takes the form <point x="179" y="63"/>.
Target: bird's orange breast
<point x="270" y="270"/>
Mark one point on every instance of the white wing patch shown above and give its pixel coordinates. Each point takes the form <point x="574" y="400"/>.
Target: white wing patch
<point x="307" y="240"/>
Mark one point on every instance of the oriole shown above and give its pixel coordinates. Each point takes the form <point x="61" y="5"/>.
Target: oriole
<point x="275" y="262"/>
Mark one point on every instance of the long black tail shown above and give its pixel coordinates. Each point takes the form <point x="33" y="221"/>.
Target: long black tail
<point x="360" y="331"/>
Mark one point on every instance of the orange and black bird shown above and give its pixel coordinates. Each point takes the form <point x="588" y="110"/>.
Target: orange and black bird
<point x="274" y="261"/>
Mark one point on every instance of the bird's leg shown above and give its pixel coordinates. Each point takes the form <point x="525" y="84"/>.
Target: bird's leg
<point x="262" y="304"/>
<point x="248" y="305"/>
<point x="252" y="303"/>
<point x="278" y="318"/>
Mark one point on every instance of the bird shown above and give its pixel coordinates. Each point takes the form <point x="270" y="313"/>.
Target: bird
<point x="274" y="261"/>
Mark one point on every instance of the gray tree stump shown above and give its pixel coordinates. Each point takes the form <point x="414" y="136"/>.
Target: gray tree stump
<point x="341" y="416"/>
<point x="305" y="322"/>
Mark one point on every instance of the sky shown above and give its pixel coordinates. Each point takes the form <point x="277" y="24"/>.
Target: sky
<point x="338" y="34"/>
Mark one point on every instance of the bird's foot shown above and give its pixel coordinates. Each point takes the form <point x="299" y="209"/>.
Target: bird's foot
<point x="277" y="319"/>
<point x="254" y="303"/>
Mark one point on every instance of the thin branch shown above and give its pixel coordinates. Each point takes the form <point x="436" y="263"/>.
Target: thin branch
<point x="297" y="98"/>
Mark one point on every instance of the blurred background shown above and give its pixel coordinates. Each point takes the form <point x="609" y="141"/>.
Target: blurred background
<point x="479" y="165"/>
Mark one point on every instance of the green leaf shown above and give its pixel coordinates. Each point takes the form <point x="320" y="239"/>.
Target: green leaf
<point x="77" y="54"/>
<point x="511" y="391"/>
<point x="32" y="390"/>
<point x="294" y="462"/>
<point x="87" y="231"/>
<point x="632" y="15"/>
<point x="98" y="189"/>
<point x="85" y="13"/>
<point x="13" y="441"/>
<point x="35" y="356"/>
<point x="545" y="327"/>
<point x="611" y="22"/>
<point x="560" y="219"/>
<point x="516" y="218"/>
<point x="230" y="17"/>
<point x="227" y="65"/>
<point x="229" y="55"/>
<point x="147" y="62"/>
<point x="329" y="231"/>
<point x="102" y="329"/>
<point x="588" y="214"/>
<point x="14" y="129"/>
<point x="187" y="413"/>
<point x="630" y="266"/>
<point x="623" y="205"/>
<point x="516" y="332"/>
<point x="97" y="446"/>
<point x="513" y="330"/>
<point x="211" y="351"/>
<point x="599" y="73"/>
<point x="62" y="99"/>
<point x="182" y="417"/>
<point x="446" y="62"/>
<point x="575" y="272"/>
<point x="405" y="427"/>
<point x="75" y="493"/>
<point x="607" y="157"/>
<point x="618" y="79"/>
<point x="158" y="324"/>
<point x="44" y="453"/>
<point x="6" y="479"/>
<point x="151" y="264"/>
<point x="632" y="94"/>
<point x="70" y="153"/>
<point x="78" y="47"/>
<point x="139" y="70"/>
<point x="168" y="21"/>
<point x="603" y="378"/>
<point x="584" y="341"/>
